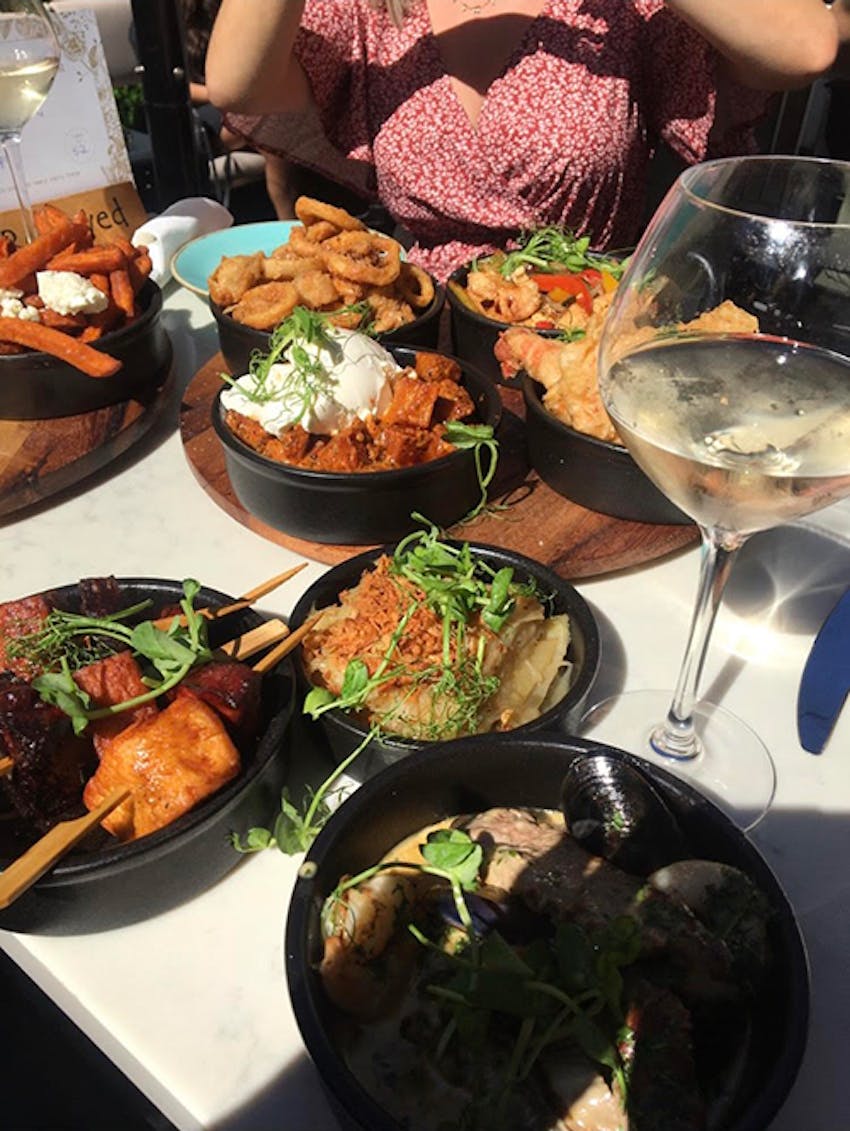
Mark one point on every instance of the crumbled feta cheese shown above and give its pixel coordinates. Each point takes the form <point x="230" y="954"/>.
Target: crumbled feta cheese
<point x="66" y="292"/>
<point x="11" y="307"/>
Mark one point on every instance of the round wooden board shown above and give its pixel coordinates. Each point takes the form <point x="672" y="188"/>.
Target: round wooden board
<point x="536" y="521"/>
<point x="40" y="457"/>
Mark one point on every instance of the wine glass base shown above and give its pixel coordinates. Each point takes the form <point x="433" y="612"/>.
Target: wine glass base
<point x="734" y="769"/>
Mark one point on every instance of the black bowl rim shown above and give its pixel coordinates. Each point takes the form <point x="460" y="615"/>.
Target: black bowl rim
<point x="310" y="476"/>
<point x="533" y="399"/>
<point x="337" y="1078"/>
<point x="118" y="857"/>
<point x="578" y="609"/>
<point x="150" y="297"/>
<point x="431" y="311"/>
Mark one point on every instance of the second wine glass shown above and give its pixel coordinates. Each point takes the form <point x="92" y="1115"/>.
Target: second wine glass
<point x="29" y="59"/>
<point x="724" y="366"/>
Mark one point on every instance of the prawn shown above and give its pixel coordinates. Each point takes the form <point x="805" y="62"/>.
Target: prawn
<point x="506" y="299"/>
<point x="362" y="926"/>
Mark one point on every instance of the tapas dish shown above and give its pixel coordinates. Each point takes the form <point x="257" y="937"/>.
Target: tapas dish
<point x="433" y="639"/>
<point x="331" y="263"/>
<point x="131" y="686"/>
<point x="334" y="437"/>
<point x="550" y="282"/>
<point x="533" y="932"/>
<point x="79" y="322"/>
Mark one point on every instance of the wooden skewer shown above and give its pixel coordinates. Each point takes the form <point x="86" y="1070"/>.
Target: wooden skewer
<point x="6" y="766"/>
<point x="23" y="872"/>
<point x="244" y="602"/>
<point x="289" y="642"/>
<point x="253" y="641"/>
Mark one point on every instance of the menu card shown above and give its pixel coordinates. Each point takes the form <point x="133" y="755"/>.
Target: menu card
<point x="73" y="149"/>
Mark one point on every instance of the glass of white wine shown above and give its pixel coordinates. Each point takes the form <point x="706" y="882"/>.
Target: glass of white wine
<point x="29" y="59"/>
<point x="725" y="366"/>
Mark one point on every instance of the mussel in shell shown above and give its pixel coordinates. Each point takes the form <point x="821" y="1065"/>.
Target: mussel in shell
<point x="615" y="812"/>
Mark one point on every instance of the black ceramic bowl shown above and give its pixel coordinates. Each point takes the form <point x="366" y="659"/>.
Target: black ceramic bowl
<point x="344" y="732"/>
<point x="359" y="508"/>
<point x="593" y="473"/>
<point x="238" y="341"/>
<point x="474" y="335"/>
<point x="37" y="386"/>
<point x="473" y="774"/>
<point x="104" y="883"/>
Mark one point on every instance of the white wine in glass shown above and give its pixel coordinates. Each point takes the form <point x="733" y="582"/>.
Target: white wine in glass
<point x="725" y="366"/>
<point x="29" y="59"/>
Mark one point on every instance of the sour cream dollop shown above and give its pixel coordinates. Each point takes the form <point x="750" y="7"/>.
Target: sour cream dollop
<point x="354" y="383"/>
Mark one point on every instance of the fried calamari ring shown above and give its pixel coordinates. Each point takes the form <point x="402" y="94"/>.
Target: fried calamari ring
<point x="349" y="292"/>
<point x="415" y="286"/>
<point x="388" y="313"/>
<point x="346" y="319"/>
<point x="316" y="289"/>
<point x="321" y="230"/>
<point x="264" y="306"/>
<point x="301" y="244"/>
<point x="289" y="266"/>
<point x="362" y="257"/>
<point x="310" y="211"/>
<point x="235" y="275"/>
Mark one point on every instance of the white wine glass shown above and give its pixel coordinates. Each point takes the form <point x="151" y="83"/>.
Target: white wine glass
<point x="29" y="59"/>
<point x="742" y="420"/>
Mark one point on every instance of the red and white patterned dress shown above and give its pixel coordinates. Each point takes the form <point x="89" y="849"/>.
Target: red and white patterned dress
<point x="564" y="136"/>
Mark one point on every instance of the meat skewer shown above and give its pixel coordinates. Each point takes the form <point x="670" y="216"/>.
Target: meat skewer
<point x="22" y="873"/>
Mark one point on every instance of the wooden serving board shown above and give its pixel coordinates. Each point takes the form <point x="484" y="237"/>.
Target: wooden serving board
<point x="535" y="521"/>
<point x="40" y="457"/>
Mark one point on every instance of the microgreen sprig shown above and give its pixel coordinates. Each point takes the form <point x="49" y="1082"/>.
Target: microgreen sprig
<point x="479" y="438"/>
<point x="68" y="641"/>
<point x="554" y="250"/>
<point x="300" y="339"/>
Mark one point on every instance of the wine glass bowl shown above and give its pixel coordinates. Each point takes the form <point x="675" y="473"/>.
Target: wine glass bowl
<point x="724" y="365"/>
<point x="29" y="60"/>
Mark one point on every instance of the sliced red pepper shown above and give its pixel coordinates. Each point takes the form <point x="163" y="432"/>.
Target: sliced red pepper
<point x="592" y="276"/>
<point x="573" y="285"/>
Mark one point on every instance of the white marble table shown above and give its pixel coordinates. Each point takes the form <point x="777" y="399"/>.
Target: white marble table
<point x="192" y="1004"/>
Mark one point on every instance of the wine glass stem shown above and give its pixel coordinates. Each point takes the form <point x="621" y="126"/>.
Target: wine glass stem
<point x="676" y="737"/>
<point x="12" y="152"/>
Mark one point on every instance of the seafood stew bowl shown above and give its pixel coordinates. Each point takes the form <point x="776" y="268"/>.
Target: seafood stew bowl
<point x="360" y="508"/>
<point x="744" y="1075"/>
<point x="474" y="335"/>
<point x="344" y="732"/>
<point x="238" y="341"/>
<point x="594" y="473"/>
<point x="38" y="386"/>
<point x="104" y="883"/>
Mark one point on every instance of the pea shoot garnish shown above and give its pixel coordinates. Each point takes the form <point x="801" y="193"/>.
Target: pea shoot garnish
<point x="555" y="250"/>
<point x="66" y="642"/>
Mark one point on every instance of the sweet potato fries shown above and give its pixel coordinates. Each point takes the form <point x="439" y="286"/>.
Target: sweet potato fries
<point x="64" y="243"/>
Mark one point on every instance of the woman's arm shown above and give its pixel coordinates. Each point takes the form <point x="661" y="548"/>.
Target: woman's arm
<point x="767" y="44"/>
<point x="249" y="65"/>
